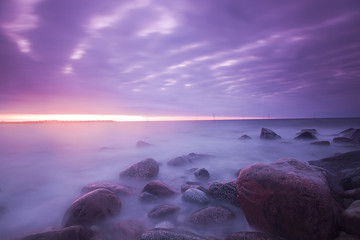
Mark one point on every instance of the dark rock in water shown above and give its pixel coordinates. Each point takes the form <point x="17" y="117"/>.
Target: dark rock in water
<point x="347" y="131"/>
<point x="345" y="236"/>
<point x="202" y="174"/>
<point x="288" y="198"/>
<point x="350" y="178"/>
<point x="167" y="234"/>
<point x="142" y="144"/>
<point x="212" y="215"/>
<point x="146" y="197"/>
<point x="69" y="233"/>
<point x="92" y="208"/>
<point x="186" y="159"/>
<point x="350" y="219"/>
<point x="311" y="130"/>
<point x="128" y="230"/>
<point x="356" y="136"/>
<point x="321" y="143"/>
<point x="189" y="185"/>
<point x="118" y="189"/>
<point x="268" y="134"/>
<point x="224" y="192"/>
<point x="163" y="210"/>
<point x="342" y="140"/>
<point x="158" y="189"/>
<point x="339" y="162"/>
<point x="252" y="236"/>
<point x="352" y="193"/>
<point x="196" y="196"/>
<point x="306" y="136"/>
<point x="245" y="137"/>
<point x="145" y="169"/>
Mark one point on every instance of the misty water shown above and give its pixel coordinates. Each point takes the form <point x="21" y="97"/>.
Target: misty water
<point x="45" y="165"/>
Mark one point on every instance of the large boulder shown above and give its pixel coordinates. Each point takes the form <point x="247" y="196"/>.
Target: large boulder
<point x="350" y="219"/>
<point x="339" y="162"/>
<point x="145" y="169"/>
<point x="69" y="233"/>
<point x="167" y="234"/>
<point x="92" y="208"/>
<point x="288" y="198"/>
<point x="118" y="189"/>
<point x="211" y="215"/>
<point x="306" y="136"/>
<point x="186" y="159"/>
<point x="128" y="230"/>
<point x="268" y="134"/>
<point x="223" y="192"/>
<point x="159" y="189"/>
<point x="252" y="236"/>
<point x="163" y="210"/>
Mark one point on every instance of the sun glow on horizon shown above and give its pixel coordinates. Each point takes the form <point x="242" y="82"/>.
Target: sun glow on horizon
<point x="103" y="117"/>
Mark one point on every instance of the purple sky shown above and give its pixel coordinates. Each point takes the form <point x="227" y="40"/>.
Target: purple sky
<point x="181" y="57"/>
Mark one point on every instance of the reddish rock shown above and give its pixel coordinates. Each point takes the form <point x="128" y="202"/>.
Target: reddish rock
<point x="159" y="189"/>
<point x="288" y="198"/>
<point x="252" y="236"/>
<point x="145" y="169"/>
<point x="93" y="207"/>
<point x="212" y="215"/>
<point x="350" y="219"/>
<point x="142" y="144"/>
<point x="268" y="134"/>
<point x="127" y="230"/>
<point x="163" y="210"/>
<point x="69" y="233"/>
<point x="186" y="159"/>
<point x="118" y="189"/>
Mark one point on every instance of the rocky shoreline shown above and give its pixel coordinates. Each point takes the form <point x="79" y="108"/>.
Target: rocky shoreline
<point x="288" y="199"/>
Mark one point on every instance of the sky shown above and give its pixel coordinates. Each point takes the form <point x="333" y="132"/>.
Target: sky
<point x="244" y="58"/>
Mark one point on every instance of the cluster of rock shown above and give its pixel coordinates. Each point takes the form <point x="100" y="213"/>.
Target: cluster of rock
<point x="288" y="199"/>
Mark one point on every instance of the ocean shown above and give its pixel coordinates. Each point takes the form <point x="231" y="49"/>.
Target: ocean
<point x="45" y="165"/>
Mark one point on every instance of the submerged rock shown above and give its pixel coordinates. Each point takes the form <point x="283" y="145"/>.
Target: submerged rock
<point x="321" y="143"/>
<point x="163" y="210"/>
<point x="212" y="215"/>
<point x="186" y="159"/>
<point x="159" y="189"/>
<point x="268" y="134"/>
<point x="350" y="219"/>
<point x="202" y="174"/>
<point x="142" y="144"/>
<point x="145" y="169"/>
<point x="342" y="140"/>
<point x="223" y="192"/>
<point x="196" y="196"/>
<point x="252" y="236"/>
<point x="167" y="234"/>
<point x="91" y="208"/>
<point x="118" y="189"/>
<point x="128" y="230"/>
<point x="69" y="233"/>
<point x="356" y="136"/>
<point x="306" y="136"/>
<point x="245" y="137"/>
<point x="288" y="198"/>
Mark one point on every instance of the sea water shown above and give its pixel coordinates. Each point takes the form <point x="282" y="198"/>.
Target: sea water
<point x="43" y="166"/>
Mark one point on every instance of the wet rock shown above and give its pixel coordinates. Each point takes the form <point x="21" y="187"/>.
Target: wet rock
<point x="189" y="185"/>
<point x="288" y="198"/>
<point x="91" y="208"/>
<point x="69" y="233"/>
<point x="118" y="189"/>
<point x="163" y="210"/>
<point x="352" y="193"/>
<point x="342" y="140"/>
<point x="311" y="130"/>
<point x="268" y="134"/>
<point x="146" y="197"/>
<point x="306" y="136"/>
<point x="196" y="196"/>
<point x="186" y="159"/>
<point x="356" y="136"/>
<point x="142" y="144"/>
<point x="165" y="234"/>
<point x="223" y="192"/>
<point x="350" y="178"/>
<point x="128" y="230"/>
<point x="348" y="131"/>
<point x="321" y="143"/>
<point x="212" y="215"/>
<point x="202" y="174"/>
<point x="245" y="137"/>
<point x="145" y="169"/>
<point x="252" y="236"/>
<point x="350" y="219"/>
<point x="159" y="189"/>
<point x="345" y="236"/>
<point x="340" y="162"/>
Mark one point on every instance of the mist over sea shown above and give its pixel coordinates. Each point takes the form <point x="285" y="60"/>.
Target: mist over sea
<point x="45" y="165"/>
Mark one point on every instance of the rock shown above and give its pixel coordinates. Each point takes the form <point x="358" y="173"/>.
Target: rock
<point x="145" y="169"/>
<point x="268" y="134"/>
<point x="212" y="215"/>
<point x="311" y="130"/>
<point x="189" y="185"/>
<point x="146" y="197"/>
<point x="186" y="159"/>
<point x="196" y="196"/>
<point x="252" y="236"/>
<point x="128" y="230"/>
<point x="340" y="162"/>
<point x="118" y="189"/>
<point x="163" y="210"/>
<point x="306" y="136"/>
<point x="350" y="178"/>
<point x="158" y="189"/>
<point x="350" y="219"/>
<point x="244" y="137"/>
<point x="356" y="136"/>
<point x="352" y="193"/>
<point x="342" y="140"/>
<point x="69" y="233"/>
<point x="142" y="144"/>
<point x="223" y="192"/>
<point x="348" y="131"/>
<point x="167" y="234"/>
<point x="164" y="224"/>
<point x="288" y="198"/>
<point x="345" y="236"/>
<point x="321" y="143"/>
<point x="202" y="174"/>
<point x="92" y="208"/>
